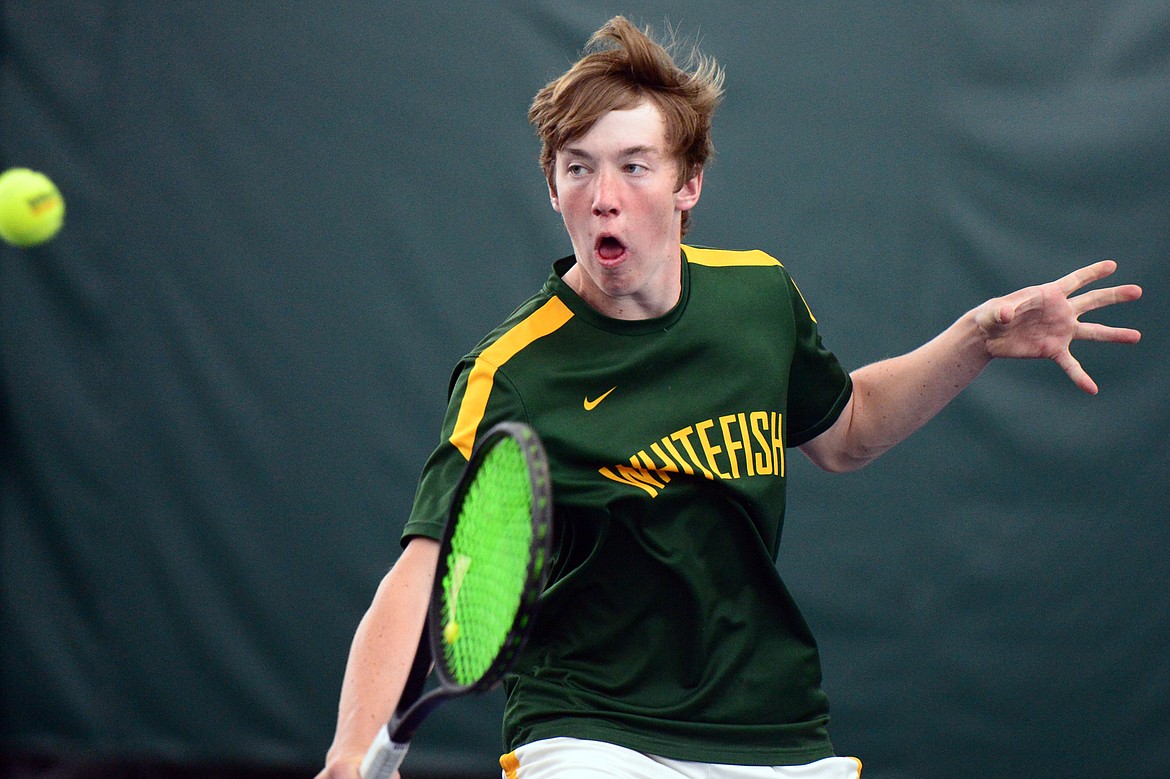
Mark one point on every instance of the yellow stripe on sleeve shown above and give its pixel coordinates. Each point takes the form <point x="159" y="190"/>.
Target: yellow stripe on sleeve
<point x="545" y="320"/>
<point x="724" y="258"/>
<point x="802" y="300"/>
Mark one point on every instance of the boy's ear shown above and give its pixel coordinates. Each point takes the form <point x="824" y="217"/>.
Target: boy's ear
<point x="688" y="194"/>
<point x="552" y="196"/>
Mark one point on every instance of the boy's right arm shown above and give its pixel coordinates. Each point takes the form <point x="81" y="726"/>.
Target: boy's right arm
<point x="380" y="657"/>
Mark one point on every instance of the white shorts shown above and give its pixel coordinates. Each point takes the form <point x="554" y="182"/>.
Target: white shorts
<point x="572" y="758"/>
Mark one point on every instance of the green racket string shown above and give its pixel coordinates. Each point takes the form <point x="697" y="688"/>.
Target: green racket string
<point x="488" y="563"/>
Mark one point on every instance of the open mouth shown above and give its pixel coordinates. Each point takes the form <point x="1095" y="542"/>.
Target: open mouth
<point x="609" y="248"/>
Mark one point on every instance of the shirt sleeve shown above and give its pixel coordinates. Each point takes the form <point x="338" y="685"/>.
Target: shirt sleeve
<point x="444" y="467"/>
<point x="818" y="387"/>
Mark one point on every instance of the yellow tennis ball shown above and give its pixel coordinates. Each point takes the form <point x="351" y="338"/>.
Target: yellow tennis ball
<point x="31" y="207"/>
<point x="451" y="632"/>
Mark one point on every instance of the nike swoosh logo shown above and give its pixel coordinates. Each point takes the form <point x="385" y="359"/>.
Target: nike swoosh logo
<point x="592" y="404"/>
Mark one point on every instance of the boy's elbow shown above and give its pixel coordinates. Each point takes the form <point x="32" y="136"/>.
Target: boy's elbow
<point x="837" y="461"/>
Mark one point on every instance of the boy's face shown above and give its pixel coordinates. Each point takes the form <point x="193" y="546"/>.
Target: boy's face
<point x="617" y="190"/>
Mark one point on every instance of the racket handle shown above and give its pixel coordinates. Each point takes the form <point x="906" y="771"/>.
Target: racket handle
<point x="384" y="756"/>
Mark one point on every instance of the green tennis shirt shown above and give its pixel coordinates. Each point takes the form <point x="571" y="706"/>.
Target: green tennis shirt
<point x="665" y="626"/>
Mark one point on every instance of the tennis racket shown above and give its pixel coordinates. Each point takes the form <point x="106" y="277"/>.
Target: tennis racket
<point x="492" y="568"/>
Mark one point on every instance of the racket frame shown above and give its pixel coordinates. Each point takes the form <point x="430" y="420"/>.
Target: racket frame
<point x="389" y="748"/>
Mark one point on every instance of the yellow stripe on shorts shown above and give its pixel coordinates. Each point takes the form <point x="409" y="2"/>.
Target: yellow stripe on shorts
<point x="510" y="764"/>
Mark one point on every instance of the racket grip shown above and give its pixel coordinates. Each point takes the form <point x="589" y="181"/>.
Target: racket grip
<point x="384" y="756"/>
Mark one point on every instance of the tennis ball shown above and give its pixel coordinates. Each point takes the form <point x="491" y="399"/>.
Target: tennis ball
<point x="31" y="207"/>
<point x="451" y="632"/>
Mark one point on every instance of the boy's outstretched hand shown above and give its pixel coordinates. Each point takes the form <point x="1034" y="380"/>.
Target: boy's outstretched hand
<point x="1044" y="320"/>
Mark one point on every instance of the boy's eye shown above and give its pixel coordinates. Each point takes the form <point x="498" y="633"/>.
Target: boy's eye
<point x="575" y="169"/>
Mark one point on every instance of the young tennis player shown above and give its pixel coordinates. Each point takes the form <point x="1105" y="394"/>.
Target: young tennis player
<point x="669" y="384"/>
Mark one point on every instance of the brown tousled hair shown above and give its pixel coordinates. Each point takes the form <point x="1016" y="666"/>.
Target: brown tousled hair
<point x="622" y="67"/>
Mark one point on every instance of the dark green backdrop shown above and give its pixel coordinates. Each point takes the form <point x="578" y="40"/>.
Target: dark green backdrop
<point x="286" y="221"/>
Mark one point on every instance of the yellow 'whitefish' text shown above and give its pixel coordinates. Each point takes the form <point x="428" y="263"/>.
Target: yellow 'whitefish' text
<point x="733" y="446"/>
